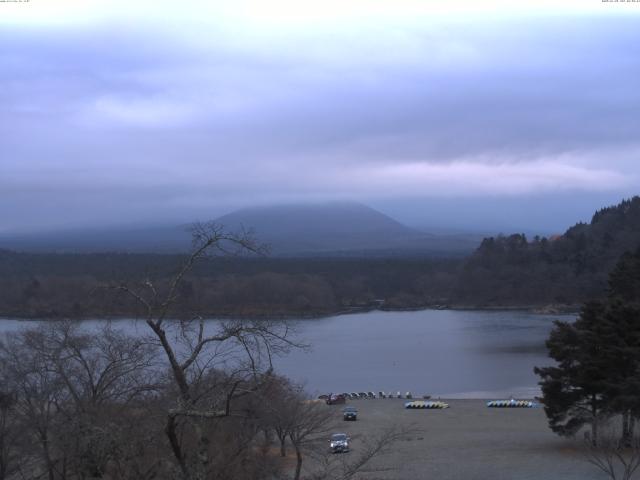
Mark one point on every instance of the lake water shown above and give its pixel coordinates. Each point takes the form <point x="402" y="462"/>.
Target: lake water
<point x="448" y="353"/>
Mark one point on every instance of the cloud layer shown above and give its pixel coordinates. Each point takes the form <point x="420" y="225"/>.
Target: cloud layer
<point x="121" y="121"/>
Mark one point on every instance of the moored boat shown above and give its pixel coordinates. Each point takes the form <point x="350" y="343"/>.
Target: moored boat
<point x="511" y="403"/>
<point x="426" y="405"/>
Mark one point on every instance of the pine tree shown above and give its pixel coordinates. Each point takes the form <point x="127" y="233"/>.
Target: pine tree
<point x="574" y="390"/>
<point x="598" y="359"/>
<point x="624" y="315"/>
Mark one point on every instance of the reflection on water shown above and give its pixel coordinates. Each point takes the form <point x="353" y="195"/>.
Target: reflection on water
<point x="449" y="353"/>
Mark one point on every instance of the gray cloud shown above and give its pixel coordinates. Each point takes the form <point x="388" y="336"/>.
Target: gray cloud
<point x="143" y="123"/>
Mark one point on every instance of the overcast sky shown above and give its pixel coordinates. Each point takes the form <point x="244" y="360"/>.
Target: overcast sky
<point x="444" y="114"/>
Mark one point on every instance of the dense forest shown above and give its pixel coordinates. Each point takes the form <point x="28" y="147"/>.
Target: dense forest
<point x="566" y="269"/>
<point x="45" y="285"/>
<point x="504" y="271"/>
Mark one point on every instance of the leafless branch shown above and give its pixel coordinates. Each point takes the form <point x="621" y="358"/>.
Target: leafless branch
<point x="615" y="457"/>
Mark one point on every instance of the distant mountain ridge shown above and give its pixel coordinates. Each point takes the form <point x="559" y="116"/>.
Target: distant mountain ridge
<point x="331" y="227"/>
<point x="314" y="219"/>
<point x="339" y="228"/>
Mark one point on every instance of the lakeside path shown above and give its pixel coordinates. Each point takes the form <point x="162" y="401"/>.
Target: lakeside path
<point x="467" y="441"/>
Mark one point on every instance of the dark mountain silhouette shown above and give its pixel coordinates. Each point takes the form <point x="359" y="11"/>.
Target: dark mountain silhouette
<point x="340" y="228"/>
<point x="308" y="230"/>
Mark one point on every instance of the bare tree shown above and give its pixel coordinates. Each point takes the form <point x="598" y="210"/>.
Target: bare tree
<point x="10" y="437"/>
<point x="192" y="348"/>
<point x="280" y="397"/>
<point x="616" y="453"/>
<point x="71" y="387"/>
<point x="309" y="420"/>
<point x="38" y="391"/>
<point x="95" y="403"/>
<point x="306" y="424"/>
<point x="343" y="467"/>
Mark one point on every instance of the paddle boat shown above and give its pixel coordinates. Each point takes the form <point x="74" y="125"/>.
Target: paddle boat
<point x="511" y="403"/>
<point x="426" y="405"/>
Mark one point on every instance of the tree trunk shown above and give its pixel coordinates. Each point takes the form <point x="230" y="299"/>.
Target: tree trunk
<point x="594" y="421"/>
<point x="4" y="459"/>
<point x="268" y="441"/>
<point x="283" y="448"/>
<point x="626" y="439"/>
<point x="44" y="440"/>
<point x="298" y="462"/>
<point x="172" y="435"/>
<point x="178" y="373"/>
<point x="203" y="452"/>
<point x="49" y="462"/>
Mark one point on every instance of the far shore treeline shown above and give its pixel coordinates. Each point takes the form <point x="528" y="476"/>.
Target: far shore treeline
<point x="504" y="271"/>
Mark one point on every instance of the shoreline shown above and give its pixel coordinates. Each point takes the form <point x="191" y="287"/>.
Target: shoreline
<point x="534" y="309"/>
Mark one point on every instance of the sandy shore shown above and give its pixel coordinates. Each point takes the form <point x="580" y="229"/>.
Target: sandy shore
<point x="467" y="441"/>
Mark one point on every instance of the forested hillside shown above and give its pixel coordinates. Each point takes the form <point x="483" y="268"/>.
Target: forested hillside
<point x="567" y="269"/>
<point x="503" y="271"/>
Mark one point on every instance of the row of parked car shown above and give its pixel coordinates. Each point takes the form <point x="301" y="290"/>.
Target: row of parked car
<point x="337" y="398"/>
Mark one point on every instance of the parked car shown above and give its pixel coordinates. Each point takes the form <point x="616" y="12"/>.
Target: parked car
<point x="323" y="397"/>
<point x="362" y="394"/>
<point x="339" y="443"/>
<point x="353" y="396"/>
<point x="381" y="394"/>
<point x="371" y="395"/>
<point x="335" y="399"/>
<point x="350" y="413"/>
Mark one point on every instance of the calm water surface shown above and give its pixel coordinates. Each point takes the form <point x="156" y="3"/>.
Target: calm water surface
<point x="449" y="353"/>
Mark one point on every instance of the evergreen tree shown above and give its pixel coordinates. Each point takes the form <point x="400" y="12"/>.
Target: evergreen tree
<point x="623" y="315"/>
<point x="598" y="359"/>
<point x="622" y="351"/>
<point x="574" y="389"/>
<point x="624" y="279"/>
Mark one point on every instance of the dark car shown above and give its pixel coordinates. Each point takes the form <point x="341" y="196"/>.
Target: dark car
<point x="350" y="413"/>
<point x="339" y="443"/>
<point x="335" y="399"/>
